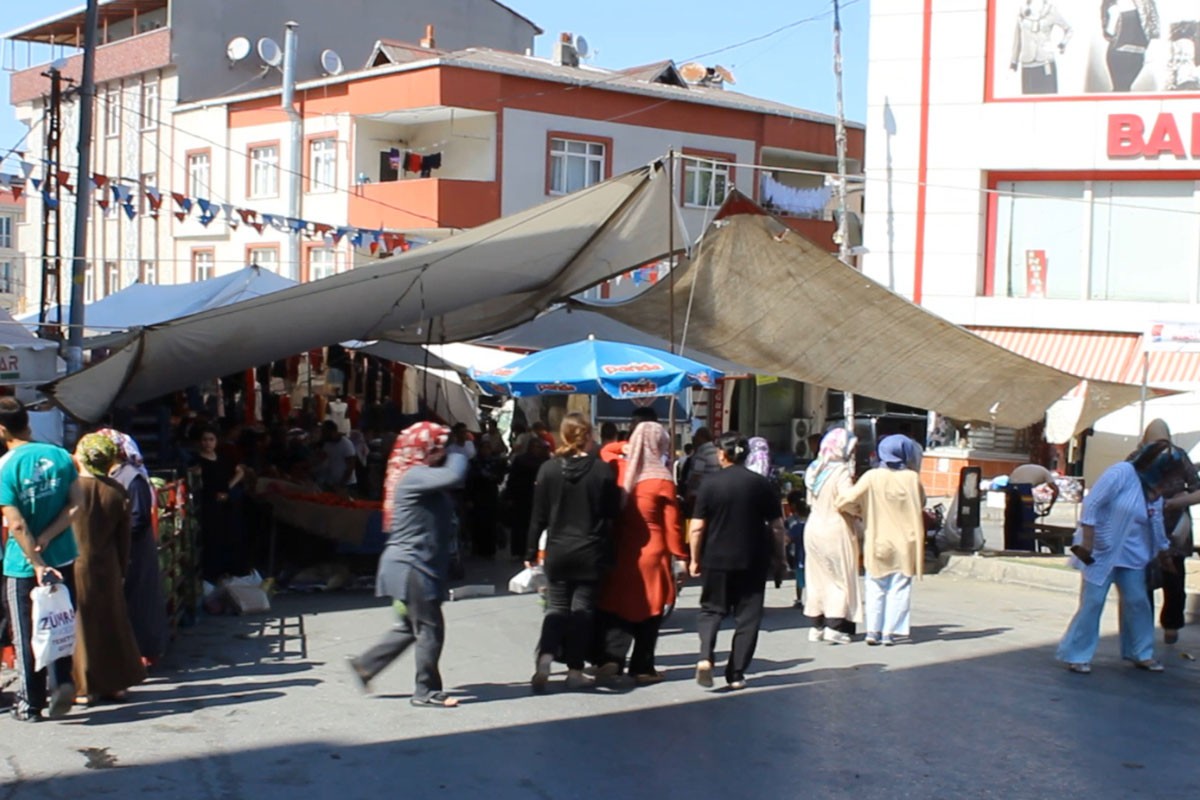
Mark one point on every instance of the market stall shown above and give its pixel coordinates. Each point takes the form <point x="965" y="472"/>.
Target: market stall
<point x="177" y="531"/>
<point x="355" y="526"/>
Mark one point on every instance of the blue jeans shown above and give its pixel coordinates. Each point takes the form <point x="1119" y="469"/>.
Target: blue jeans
<point x="1079" y="643"/>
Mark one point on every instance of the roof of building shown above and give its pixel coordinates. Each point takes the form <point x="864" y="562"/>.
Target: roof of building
<point x="394" y="51"/>
<point x="67" y="27"/>
<point x="654" y="80"/>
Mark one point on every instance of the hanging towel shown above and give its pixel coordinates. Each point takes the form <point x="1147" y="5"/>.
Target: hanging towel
<point x="412" y="162"/>
<point x="429" y="163"/>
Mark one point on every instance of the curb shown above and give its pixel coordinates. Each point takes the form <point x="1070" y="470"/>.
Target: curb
<point x="998" y="569"/>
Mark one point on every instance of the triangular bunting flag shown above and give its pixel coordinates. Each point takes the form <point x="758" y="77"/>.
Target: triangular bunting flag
<point x="26" y="169"/>
<point x="49" y="200"/>
<point x="130" y="210"/>
<point x="64" y="180"/>
<point x="103" y="203"/>
<point x="17" y="190"/>
<point x="205" y="206"/>
<point x="247" y="215"/>
<point x="155" y="198"/>
<point x="297" y="225"/>
<point x="99" y="181"/>
<point x="5" y="180"/>
<point x="123" y="193"/>
<point x="374" y="248"/>
<point x="356" y="238"/>
<point x="339" y="233"/>
<point x="37" y="183"/>
<point x="258" y="226"/>
<point x="181" y="215"/>
<point x="206" y="219"/>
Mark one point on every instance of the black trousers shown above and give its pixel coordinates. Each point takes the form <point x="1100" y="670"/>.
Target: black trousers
<point x="1123" y="68"/>
<point x="33" y="686"/>
<point x="833" y="623"/>
<point x="740" y="593"/>
<point x="567" y="626"/>
<point x="1174" y="595"/>
<point x="422" y="624"/>
<point x="619" y="634"/>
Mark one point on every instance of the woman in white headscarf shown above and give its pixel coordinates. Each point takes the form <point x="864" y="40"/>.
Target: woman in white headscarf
<point x="831" y="543"/>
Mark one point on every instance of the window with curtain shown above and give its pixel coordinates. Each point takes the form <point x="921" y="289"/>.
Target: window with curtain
<point x="322" y="263"/>
<point x="6" y="231"/>
<point x="264" y="171"/>
<point x="265" y="257"/>
<point x="575" y="165"/>
<point x="322" y="165"/>
<point x="199" y="175"/>
<point x="705" y="182"/>
<point x="203" y="266"/>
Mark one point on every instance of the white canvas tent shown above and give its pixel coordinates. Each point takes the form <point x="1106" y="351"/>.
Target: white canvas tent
<point x="759" y="294"/>
<point x="25" y="360"/>
<point x="478" y="282"/>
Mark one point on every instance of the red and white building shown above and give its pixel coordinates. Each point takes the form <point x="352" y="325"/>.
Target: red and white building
<point x="1033" y="173"/>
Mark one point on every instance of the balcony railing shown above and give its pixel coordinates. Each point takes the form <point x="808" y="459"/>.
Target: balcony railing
<point x="425" y="203"/>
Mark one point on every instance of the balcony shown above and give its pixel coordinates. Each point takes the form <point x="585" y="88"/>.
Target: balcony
<point x="393" y="190"/>
<point x="425" y="203"/>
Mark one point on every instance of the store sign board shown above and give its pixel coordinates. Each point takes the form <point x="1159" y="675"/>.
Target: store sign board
<point x="1048" y="49"/>
<point x="1176" y="337"/>
<point x="1131" y="136"/>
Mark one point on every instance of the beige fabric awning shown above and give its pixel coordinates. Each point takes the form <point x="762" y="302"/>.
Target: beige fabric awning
<point x="470" y="285"/>
<point x="764" y="296"/>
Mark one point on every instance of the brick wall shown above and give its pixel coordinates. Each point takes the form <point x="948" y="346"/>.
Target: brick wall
<point x="133" y="56"/>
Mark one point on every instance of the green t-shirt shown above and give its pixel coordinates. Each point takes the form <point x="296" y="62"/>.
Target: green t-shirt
<point x="36" y="479"/>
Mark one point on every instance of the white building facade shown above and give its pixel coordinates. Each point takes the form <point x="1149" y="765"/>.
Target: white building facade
<point x="1033" y="173"/>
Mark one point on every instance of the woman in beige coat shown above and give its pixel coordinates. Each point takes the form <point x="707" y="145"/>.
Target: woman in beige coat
<point x="891" y="503"/>
<point x="831" y="543"/>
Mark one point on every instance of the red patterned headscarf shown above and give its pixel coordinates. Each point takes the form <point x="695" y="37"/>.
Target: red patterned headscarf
<point x="415" y="446"/>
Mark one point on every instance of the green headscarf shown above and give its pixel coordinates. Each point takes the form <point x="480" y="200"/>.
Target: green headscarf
<point x="97" y="453"/>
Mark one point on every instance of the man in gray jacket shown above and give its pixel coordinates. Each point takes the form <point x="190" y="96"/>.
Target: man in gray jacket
<point x="418" y="517"/>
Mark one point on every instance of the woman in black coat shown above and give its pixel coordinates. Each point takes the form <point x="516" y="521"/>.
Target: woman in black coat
<point x="575" y="501"/>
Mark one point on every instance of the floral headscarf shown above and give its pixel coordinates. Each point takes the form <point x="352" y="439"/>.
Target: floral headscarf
<point x="97" y="453"/>
<point x="837" y="447"/>
<point x="646" y="448"/>
<point x="415" y="446"/>
<point x="759" y="459"/>
<point x="127" y="449"/>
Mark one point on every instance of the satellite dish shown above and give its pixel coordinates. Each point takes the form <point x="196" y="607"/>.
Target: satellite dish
<point x="725" y="73"/>
<point x="331" y="62"/>
<point x="269" y="52"/>
<point x="238" y="49"/>
<point x="693" y="72"/>
<point x="582" y="47"/>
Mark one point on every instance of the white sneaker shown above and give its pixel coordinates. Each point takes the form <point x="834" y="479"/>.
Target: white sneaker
<point x="816" y="634"/>
<point x="837" y="637"/>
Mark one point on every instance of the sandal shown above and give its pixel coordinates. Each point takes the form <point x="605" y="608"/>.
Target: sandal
<point x="1080" y="669"/>
<point x="435" y="700"/>
<point x="1150" y="665"/>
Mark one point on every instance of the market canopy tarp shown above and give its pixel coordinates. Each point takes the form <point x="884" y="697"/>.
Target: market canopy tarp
<point x="763" y="295"/>
<point x="146" y="304"/>
<point x="470" y="285"/>
<point x="24" y="358"/>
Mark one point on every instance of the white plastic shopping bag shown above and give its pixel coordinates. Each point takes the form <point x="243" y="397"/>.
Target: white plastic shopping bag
<point x="53" y="625"/>
<point x="530" y="579"/>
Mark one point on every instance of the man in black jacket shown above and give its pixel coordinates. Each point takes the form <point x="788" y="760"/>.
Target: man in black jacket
<point x="736" y="535"/>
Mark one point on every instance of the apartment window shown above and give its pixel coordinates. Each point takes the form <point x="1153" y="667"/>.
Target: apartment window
<point x="112" y="112"/>
<point x="202" y="265"/>
<point x="8" y="283"/>
<point x="6" y="227"/>
<point x="322" y="165"/>
<point x="322" y="263"/>
<point x="705" y="182"/>
<point x="149" y="116"/>
<point x="199" y="174"/>
<point x="89" y="285"/>
<point x="148" y="273"/>
<point x="1131" y="240"/>
<point x="264" y="171"/>
<point x="265" y="257"/>
<point x="112" y="277"/>
<point x="149" y="180"/>
<point x="575" y="164"/>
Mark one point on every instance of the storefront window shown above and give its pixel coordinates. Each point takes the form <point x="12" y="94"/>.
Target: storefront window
<point x="1144" y="241"/>
<point x="1098" y="240"/>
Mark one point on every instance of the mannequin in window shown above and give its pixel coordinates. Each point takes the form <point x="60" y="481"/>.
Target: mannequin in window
<point x="1034" y="51"/>
<point x="337" y="411"/>
<point x="1129" y="25"/>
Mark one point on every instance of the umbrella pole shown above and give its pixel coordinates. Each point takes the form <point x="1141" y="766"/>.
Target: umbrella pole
<point x="671" y="285"/>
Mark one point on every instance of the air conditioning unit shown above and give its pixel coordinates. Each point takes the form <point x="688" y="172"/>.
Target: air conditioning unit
<point x="801" y="430"/>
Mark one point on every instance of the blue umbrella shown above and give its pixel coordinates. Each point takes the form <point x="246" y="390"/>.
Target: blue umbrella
<point x="624" y="371"/>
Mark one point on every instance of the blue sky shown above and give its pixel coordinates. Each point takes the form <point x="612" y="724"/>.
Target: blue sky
<point x="792" y="66"/>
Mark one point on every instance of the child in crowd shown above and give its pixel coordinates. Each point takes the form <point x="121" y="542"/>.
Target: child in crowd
<point x="794" y="524"/>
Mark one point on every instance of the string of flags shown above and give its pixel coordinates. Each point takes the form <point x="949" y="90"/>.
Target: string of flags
<point x="133" y="198"/>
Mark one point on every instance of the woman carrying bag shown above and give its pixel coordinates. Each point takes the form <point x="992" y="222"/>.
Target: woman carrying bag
<point x="575" y="501"/>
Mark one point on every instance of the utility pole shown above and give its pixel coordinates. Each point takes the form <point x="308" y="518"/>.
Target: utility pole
<point x="83" y="198"/>
<point x="51" y="283"/>
<point x="295" y="145"/>
<point x="843" y="241"/>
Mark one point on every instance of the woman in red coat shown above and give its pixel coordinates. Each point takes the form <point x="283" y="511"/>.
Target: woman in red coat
<point x="647" y="533"/>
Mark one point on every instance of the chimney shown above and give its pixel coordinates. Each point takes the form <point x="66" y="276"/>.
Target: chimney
<point x="428" y="42"/>
<point x="565" y="54"/>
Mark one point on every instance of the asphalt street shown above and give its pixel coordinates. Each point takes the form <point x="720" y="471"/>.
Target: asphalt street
<point x="975" y="706"/>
